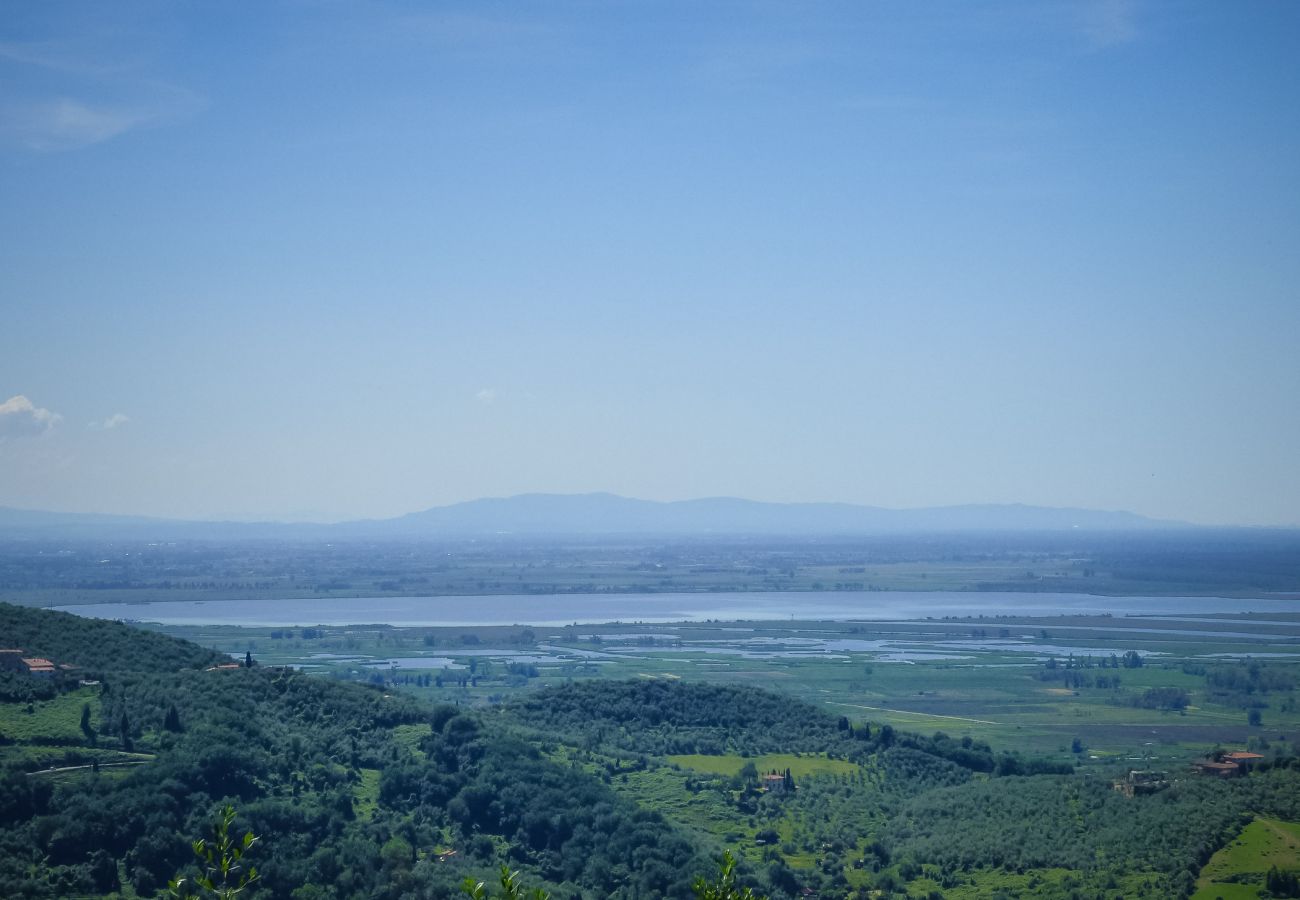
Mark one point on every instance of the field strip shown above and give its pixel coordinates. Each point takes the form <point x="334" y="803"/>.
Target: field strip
<point x="904" y="712"/>
<point x="1198" y="711"/>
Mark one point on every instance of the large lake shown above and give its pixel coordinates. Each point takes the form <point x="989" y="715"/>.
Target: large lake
<point x="565" y="609"/>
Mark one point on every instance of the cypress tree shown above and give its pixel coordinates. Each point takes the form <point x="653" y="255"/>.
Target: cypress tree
<point x="86" y="728"/>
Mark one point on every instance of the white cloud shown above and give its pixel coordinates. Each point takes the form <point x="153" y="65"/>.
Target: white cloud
<point x="113" y="421"/>
<point x="19" y="417"/>
<point x="486" y="395"/>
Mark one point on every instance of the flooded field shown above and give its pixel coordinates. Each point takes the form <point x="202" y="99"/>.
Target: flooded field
<point x="722" y="606"/>
<point x="1149" y="685"/>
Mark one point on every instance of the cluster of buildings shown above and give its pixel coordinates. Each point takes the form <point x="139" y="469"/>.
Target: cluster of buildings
<point x="1220" y="764"/>
<point x="12" y="660"/>
<point x="1227" y="765"/>
<point x="1139" y="782"/>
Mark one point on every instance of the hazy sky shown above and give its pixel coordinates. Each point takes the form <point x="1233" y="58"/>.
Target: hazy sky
<point x="329" y="260"/>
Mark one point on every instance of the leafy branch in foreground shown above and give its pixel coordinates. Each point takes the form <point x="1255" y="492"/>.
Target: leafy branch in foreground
<point x="511" y="889"/>
<point x="223" y="877"/>
<point x="725" y="887"/>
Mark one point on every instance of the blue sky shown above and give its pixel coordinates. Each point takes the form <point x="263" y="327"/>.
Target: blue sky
<point x="332" y="260"/>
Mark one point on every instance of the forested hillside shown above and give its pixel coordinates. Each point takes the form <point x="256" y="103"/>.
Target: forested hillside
<point x="97" y="644"/>
<point x="354" y="792"/>
<point x="592" y="789"/>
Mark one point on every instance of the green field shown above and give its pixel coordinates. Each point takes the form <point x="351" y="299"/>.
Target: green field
<point x="55" y="721"/>
<point x="408" y="737"/>
<point x="1237" y="871"/>
<point x="365" y="794"/>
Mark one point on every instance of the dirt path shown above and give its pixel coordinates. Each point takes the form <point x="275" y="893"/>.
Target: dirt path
<point x="107" y="765"/>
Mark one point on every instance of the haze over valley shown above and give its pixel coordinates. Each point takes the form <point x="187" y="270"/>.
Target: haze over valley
<point x="649" y="451"/>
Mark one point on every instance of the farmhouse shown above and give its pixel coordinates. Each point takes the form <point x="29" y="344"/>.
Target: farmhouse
<point x="776" y="783"/>
<point x="12" y="660"/>
<point x="1243" y="759"/>
<point x="38" y="667"/>
<point x="1228" y="765"/>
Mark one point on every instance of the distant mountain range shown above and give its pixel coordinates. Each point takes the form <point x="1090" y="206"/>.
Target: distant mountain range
<point x="537" y="515"/>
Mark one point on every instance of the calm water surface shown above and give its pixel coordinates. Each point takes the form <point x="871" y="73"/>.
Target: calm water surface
<point x="565" y="609"/>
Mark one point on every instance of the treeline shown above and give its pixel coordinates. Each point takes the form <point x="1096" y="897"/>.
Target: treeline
<point x="1249" y="684"/>
<point x="670" y="717"/>
<point x="663" y="717"/>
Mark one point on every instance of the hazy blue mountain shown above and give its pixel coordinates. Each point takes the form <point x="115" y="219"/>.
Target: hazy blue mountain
<point x="611" y="514"/>
<point x="594" y="514"/>
<point x="31" y="524"/>
<point x="34" y="520"/>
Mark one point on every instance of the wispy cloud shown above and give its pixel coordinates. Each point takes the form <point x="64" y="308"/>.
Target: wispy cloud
<point x="741" y="63"/>
<point x="459" y="29"/>
<point x="116" y="420"/>
<point x="19" y="417"/>
<point x="64" y="97"/>
<point x="1109" y="23"/>
<point x="63" y="123"/>
<point x="54" y="56"/>
<point x="486" y="395"/>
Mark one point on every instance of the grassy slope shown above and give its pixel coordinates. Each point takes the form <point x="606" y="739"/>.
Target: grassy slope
<point x="50" y="721"/>
<point x="1262" y="844"/>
